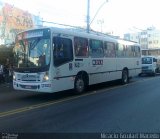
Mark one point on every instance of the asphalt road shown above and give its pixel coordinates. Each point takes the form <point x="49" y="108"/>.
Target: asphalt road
<point x="105" y="108"/>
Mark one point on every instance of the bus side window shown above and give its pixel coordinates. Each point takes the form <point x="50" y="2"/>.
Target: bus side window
<point x="63" y="51"/>
<point x="121" y="51"/>
<point x="137" y="51"/>
<point x="81" y="47"/>
<point x="109" y="49"/>
<point x="96" y="48"/>
<point x="129" y="52"/>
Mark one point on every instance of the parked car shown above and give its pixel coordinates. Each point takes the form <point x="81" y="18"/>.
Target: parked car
<point x="150" y="65"/>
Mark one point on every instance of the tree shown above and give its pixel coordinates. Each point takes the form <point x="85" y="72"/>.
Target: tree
<point x="6" y="52"/>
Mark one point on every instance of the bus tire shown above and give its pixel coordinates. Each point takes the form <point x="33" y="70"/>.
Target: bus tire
<point x="80" y="84"/>
<point x="125" y="78"/>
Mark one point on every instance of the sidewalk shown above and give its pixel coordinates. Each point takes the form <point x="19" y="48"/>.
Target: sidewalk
<point x="8" y="84"/>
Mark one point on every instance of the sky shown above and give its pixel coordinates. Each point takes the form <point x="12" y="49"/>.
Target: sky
<point x="116" y="16"/>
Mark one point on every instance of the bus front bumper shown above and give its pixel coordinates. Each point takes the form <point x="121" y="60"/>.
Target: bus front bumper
<point x="36" y="87"/>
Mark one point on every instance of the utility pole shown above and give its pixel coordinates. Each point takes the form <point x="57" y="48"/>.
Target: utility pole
<point x="88" y="16"/>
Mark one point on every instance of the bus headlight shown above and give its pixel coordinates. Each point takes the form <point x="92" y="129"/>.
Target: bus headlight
<point x="46" y="76"/>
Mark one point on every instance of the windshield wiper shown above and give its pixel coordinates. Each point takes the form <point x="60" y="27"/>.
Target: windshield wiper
<point x="33" y="44"/>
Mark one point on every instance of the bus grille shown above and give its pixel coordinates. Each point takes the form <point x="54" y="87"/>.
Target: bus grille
<point x="145" y="67"/>
<point x="30" y="78"/>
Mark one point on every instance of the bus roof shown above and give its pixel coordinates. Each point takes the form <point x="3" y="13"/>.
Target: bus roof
<point x="83" y="33"/>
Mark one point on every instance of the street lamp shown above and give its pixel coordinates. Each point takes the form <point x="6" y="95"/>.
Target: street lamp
<point x="88" y="14"/>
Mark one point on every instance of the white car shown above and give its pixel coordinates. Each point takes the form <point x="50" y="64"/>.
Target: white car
<point x="150" y="65"/>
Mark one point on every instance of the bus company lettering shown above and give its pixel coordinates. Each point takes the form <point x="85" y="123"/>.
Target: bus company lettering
<point x="97" y="62"/>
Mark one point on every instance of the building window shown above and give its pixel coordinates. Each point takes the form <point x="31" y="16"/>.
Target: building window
<point x="150" y="42"/>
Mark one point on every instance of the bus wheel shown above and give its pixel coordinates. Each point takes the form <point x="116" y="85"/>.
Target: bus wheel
<point x="125" y="78"/>
<point x="80" y="84"/>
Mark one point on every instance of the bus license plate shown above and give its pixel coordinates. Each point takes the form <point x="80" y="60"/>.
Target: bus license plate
<point x="28" y="87"/>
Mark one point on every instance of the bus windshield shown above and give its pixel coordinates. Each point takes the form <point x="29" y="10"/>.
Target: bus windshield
<point x="146" y="60"/>
<point x="32" y="51"/>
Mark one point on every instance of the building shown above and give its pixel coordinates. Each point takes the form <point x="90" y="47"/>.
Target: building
<point x="132" y="37"/>
<point x="153" y="38"/>
<point x="149" y="40"/>
<point x="14" y="20"/>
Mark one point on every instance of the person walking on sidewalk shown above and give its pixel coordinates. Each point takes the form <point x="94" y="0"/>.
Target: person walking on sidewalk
<point x="6" y="71"/>
<point x="1" y="74"/>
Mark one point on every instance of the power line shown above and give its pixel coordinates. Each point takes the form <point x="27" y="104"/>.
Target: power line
<point x="66" y="25"/>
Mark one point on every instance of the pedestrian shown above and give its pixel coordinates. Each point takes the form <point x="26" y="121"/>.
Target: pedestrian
<point x="6" y="71"/>
<point x="10" y="72"/>
<point x="1" y="74"/>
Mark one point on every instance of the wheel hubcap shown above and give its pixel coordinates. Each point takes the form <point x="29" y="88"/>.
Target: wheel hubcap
<point x="80" y="85"/>
<point x="125" y="77"/>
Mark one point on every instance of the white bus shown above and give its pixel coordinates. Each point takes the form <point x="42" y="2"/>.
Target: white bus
<point x="54" y="59"/>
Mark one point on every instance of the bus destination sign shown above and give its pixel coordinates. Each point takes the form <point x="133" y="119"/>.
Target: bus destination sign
<point x="32" y="34"/>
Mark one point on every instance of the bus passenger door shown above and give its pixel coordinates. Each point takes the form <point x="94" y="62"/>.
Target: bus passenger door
<point x="63" y="62"/>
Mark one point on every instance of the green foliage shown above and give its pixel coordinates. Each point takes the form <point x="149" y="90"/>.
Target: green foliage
<point x="6" y="52"/>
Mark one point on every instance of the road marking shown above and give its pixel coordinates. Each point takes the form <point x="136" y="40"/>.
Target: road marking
<point x="33" y="107"/>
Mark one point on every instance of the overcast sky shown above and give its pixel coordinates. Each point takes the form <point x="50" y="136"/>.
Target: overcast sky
<point x="119" y="16"/>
